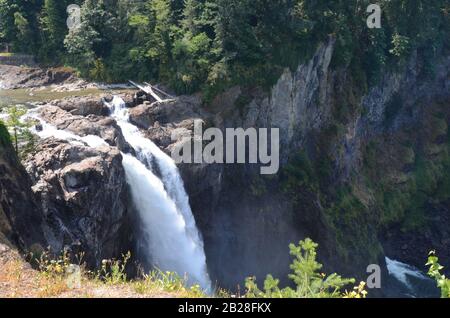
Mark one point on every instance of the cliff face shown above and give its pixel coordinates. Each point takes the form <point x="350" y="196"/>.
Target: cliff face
<point x="74" y="198"/>
<point x="83" y="195"/>
<point x="353" y="170"/>
<point x="20" y="217"/>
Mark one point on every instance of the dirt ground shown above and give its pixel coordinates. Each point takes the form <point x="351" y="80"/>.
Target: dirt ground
<point x="19" y="280"/>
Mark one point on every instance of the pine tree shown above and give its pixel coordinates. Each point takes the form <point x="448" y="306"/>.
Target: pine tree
<point x="18" y="24"/>
<point x="191" y="16"/>
<point x="54" y="22"/>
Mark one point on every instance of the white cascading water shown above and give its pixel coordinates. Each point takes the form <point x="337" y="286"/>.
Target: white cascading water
<point x="169" y="227"/>
<point x="48" y="131"/>
<point x="173" y="240"/>
<point x="402" y="272"/>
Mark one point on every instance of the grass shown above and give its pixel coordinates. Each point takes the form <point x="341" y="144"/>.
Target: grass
<point x="60" y="278"/>
<point x="6" y="54"/>
<point x="54" y="279"/>
<point x="167" y="282"/>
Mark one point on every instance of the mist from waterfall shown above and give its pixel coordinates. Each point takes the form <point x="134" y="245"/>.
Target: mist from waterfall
<point x="168" y="225"/>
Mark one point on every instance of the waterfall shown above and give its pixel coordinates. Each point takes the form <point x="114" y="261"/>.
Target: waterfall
<point x="169" y="228"/>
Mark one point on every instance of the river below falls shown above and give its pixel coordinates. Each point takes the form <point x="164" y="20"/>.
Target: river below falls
<point x="408" y="281"/>
<point x="30" y="97"/>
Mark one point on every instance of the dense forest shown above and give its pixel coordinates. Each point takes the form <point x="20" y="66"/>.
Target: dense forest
<point x="208" y="45"/>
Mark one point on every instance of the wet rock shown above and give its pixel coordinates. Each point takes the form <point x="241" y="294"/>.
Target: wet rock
<point x="104" y="127"/>
<point x="171" y="118"/>
<point x="141" y="116"/>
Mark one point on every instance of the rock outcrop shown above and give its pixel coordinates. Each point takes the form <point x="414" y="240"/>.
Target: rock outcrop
<point x="82" y="106"/>
<point x="13" y="77"/>
<point x="100" y="126"/>
<point x="167" y="112"/>
<point x="83" y="194"/>
<point x="21" y="219"/>
<point x="170" y="118"/>
<point x="248" y="220"/>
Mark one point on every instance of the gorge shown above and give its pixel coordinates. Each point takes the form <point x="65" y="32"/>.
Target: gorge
<point x="100" y="184"/>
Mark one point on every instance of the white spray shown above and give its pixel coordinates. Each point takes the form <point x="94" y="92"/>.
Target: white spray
<point x="402" y="272"/>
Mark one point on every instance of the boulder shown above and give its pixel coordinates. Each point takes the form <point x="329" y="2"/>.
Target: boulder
<point x="171" y="118"/>
<point x="83" y="106"/>
<point x="83" y="194"/>
<point x="167" y="112"/>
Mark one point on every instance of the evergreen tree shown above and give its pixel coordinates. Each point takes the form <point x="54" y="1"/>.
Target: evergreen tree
<point x="18" y="23"/>
<point x="91" y="42"/>
<point x="54" y="20"/>
<point x="54" y="27"/>
<point x="212" y="44"/>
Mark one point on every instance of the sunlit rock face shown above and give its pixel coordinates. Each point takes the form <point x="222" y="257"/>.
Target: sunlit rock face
<point x="83" y="194"/>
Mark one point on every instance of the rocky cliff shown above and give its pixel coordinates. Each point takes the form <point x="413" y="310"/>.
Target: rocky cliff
<point x="332" y="128"/>
<point x="83" y="195"/>
<point x="73" y="198"/>
<point x="364" y="168"/>
<point x="21" y="218"/>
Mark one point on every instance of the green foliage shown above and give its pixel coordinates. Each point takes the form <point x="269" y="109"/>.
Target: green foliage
<point x="168" y="282"/>
<point x="113" y="272"/>
<point x="98" y="71"/>
<point x="400" y="45"/>
<point x="53" y="266"/>
<point x="309" y="281"/>
<point x="54" y="28"/>
<point x="54" y="278"/>
<point x="5" y="138"/>
<point x="15" y="124"/>
<point x="300" y="173"/>
<point x="435" y="272"/>
<point x="21" y="137"/>
<point x="209" y="45"/>
<point x="19" y="24"/>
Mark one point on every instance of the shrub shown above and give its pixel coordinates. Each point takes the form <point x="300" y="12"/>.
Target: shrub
<point x="170" y="282"/>
<point x="113" y="272"/>
<point x="309" y="281"/>
<point x="435" y="272"/>
<point x="21" y="136"/>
